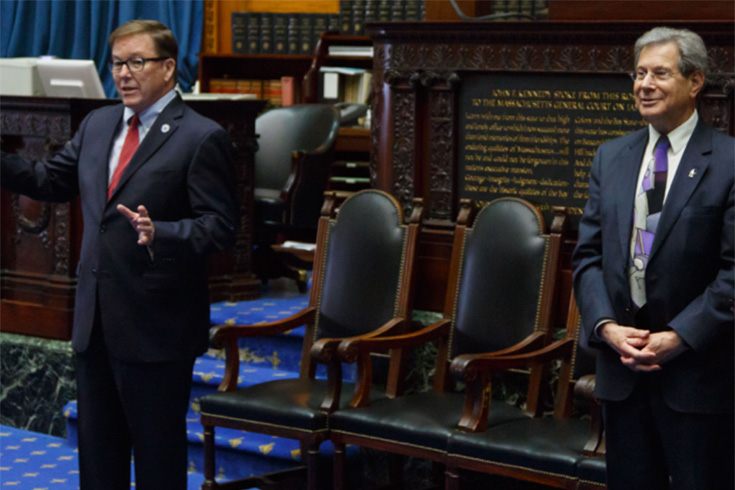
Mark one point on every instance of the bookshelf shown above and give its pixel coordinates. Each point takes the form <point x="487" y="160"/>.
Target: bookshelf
<point x="252" y="66"/>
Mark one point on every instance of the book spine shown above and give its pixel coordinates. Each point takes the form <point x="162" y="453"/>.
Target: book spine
<point x="253" y="33"/>
<point x="280" y="33"/>
<point x="240" y="32"/>
<point x="288" y="91"/>
<point x="294" y="37"/>
<point x="384" y="11"/>
<point x="397" y="11"/>
<point x="306" y="35"/>
<point x="334" y="24"/>
<point x="358" y="17"/>
<point x="371" y="11"/>
<point x="412" y="10"/>
<point x="266" y="33"/>
<point x="320" y="23"/>
<point x="345" y="17"/>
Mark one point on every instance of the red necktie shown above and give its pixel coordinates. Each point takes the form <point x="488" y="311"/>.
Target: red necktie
<point x="128" y="150"/>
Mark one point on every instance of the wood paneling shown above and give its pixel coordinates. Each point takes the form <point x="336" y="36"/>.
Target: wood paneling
<point x="419" y="70"/>
<point x="642" y="10"/>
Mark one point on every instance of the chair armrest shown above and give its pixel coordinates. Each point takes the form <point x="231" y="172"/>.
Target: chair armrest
<point x="533" y="342"/>
<point x="359" y="349"/>
<point x="220" y="334"/>
<point x="350" y="350"/>
<point x="585" y="390"/>
<point x="324" y="351"/>
<point x="225" y="336"/>
<point x="475" y="370"/>
<point x="468" y="367"/>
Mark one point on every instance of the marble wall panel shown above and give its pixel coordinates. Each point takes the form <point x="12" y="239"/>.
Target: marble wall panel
<point x="36" y="381"/>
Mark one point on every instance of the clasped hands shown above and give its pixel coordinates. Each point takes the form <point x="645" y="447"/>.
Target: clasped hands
<point x="141" y="222"/>
<point x="641" y="350"/>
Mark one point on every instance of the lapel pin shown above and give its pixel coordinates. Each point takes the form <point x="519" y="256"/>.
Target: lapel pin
<point x="166" y="128"/>
<point x="692" y="173"/>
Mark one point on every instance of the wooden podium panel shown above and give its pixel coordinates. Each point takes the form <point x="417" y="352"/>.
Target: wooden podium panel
<point x="424" y="71"/>
<point x="40" y="242"/>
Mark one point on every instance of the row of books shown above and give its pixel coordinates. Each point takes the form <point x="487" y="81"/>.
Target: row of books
<point x="298" y="33"/>
<point x="354" y="14"/>
<point x="279" y="92"/>
<point x="277" y="33"/>
<point x="342" y="84"/>
<point x="535" y="8"/>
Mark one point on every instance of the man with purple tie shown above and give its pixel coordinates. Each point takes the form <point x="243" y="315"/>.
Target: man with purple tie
<point x="653" y="277"/>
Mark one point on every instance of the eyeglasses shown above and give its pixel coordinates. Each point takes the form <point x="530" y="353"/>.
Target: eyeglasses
<point x="658" y="75"/>
<point x="134" y="65"/>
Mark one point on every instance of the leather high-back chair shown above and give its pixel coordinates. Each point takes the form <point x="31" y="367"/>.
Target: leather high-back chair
<point x="499" y="297"/>
<point x="295" y="152"/>
<point x="563" y="450"/>
<point x="362" y="287"/>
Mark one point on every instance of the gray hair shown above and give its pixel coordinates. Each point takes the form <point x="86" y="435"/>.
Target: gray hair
<point x="692" y="52"/>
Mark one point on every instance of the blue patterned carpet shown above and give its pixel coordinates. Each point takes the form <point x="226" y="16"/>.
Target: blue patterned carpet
<point x="33" y="461"/>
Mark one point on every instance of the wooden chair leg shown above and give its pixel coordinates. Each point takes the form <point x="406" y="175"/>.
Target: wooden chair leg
<point x="311" y="458"/>
<point x="339" y="466"/>
<point x="209" y="465"/>
<point x="452" y="479"/>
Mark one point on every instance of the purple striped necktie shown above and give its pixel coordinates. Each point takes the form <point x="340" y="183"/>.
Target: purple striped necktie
<point x="648" y="203"/>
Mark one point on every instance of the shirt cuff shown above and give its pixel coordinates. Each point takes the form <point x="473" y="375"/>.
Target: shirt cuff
<point x="598" y="325"/>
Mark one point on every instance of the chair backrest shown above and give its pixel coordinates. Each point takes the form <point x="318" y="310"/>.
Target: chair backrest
<point x="363" y="270"/>
<point x="282" y="131"/>
<point x="507" y="267"/>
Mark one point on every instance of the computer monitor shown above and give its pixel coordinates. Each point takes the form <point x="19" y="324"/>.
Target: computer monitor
<point x="70" y="78"/>
<point x="19" y="76"/>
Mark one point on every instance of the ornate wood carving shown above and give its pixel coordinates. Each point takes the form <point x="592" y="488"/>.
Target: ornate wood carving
<point x="404" y="107"/>
<point x="427" y="52"/>
<point x="415" y="117"/>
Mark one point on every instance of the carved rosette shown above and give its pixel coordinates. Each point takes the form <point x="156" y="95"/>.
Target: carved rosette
<point x="37" y="227"/>
<point x="619" y="58"/>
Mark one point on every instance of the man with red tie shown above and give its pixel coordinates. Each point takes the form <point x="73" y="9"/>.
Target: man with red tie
<point x="156" y="184"/>
<point x="653" y="277"/>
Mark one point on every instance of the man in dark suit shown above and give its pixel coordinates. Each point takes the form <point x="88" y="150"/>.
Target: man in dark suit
<point x="156" y="182"/>
<point x="654" y="281"/>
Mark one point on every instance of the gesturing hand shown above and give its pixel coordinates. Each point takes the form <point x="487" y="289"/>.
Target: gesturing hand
<point x="141" y="222"/>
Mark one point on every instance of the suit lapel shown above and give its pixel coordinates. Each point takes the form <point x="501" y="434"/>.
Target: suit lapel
<point x="693" y="165"/>
<point x="630" y="165"/>
<point x="103" y="139"/>
<point x="166" y="125"/>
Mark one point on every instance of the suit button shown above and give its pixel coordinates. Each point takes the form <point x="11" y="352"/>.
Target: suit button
<point x="94" y="270"/>
<point x="103" y="229"/>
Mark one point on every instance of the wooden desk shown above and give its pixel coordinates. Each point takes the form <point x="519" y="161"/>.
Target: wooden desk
<point x="40" y="242"/>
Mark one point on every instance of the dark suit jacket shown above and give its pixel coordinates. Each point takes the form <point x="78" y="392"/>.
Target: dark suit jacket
<point x="152" y="308"/>
<point x="689" y="276"/>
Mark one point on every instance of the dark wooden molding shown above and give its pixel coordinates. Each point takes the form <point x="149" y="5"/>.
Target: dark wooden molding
<point x="419" y="69"/>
